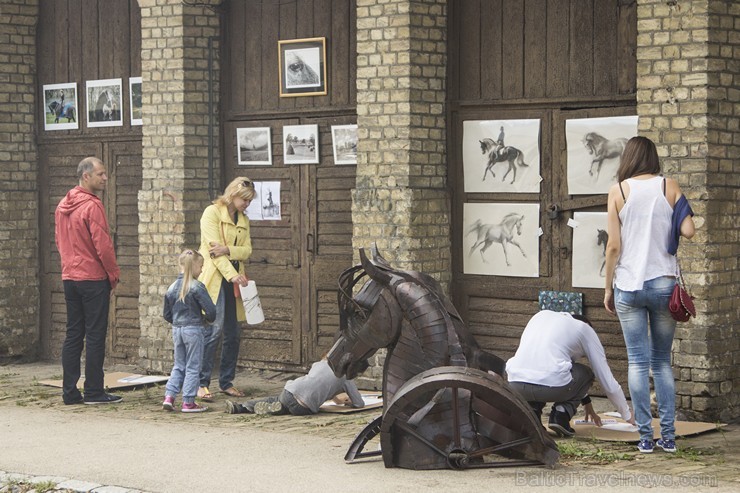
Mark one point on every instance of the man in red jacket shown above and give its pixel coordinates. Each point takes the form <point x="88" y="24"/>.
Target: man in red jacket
<point x="89" y="274"/>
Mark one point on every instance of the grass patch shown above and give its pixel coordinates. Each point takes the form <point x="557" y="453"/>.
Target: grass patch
<point x="590" y="453"/>
<point x="22" y="486"/>
<point x="691" y="454"/>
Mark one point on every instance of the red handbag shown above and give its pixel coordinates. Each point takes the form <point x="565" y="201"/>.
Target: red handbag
<point x="681" y="304"/>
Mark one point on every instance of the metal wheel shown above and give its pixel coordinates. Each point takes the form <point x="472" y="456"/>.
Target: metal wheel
<point x="457" y="418"/>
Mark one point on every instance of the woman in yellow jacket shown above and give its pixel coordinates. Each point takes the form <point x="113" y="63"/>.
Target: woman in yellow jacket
<point x="225" y="244"/>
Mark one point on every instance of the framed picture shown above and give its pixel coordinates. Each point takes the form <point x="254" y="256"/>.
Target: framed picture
<point x="60" y="106"/>
<point x="134" y="92"/>
<point x="104" y="103"/>
<point x="344" y="143"/>
<point x="302" y="65"/>
<point x="254" y="146"/>
<point x="300" y="144"/>
<point x="594" y="148"/>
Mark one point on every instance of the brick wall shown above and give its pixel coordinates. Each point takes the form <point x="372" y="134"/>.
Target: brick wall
<point x="400" y="201"/>
<point x="688" y="88"/>
<point x="174" y="62"/>
<point x="19" y="261"/>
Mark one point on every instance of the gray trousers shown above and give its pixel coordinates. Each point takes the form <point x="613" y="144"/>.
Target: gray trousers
<point x="569" y="396"/>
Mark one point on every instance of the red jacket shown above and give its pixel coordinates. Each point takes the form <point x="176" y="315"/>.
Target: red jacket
<point x="83" y="240"/>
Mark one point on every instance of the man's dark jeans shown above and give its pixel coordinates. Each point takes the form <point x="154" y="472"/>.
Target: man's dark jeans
<point x="87" y="324"/>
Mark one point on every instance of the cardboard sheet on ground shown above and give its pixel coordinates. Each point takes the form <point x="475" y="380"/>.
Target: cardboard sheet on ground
<point x="373" y="400"/>
<point x="116" y="380"/>
<point x="617" y="430"/>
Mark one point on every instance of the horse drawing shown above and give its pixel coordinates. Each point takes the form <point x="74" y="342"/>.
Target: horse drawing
<point x="298" y="73"/>
<point x="445" y="404"/>
<point x="602" y="148"/>
<point x="498" y="153"/>
<point x="602" y="237"/>
<point x="503" y="233"/>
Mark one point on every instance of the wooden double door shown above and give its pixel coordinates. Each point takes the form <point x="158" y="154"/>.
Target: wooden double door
<point x="296" y="259"/>
<point x="57" y="171"/>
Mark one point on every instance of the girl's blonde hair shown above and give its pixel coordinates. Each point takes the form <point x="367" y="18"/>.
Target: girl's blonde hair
<point x="186" y="260"/>
<point x="241" y="187"/>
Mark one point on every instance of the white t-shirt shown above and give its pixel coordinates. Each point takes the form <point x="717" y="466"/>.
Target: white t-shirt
<point x="550" y="343"/>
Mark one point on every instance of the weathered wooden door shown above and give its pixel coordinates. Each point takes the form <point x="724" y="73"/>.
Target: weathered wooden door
<point x="296" y="260"/>
<point x="546" y="60"/>
<point x="78" y="43"/>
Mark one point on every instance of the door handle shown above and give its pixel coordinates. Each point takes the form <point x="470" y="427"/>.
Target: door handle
<point x="311" y="243"/>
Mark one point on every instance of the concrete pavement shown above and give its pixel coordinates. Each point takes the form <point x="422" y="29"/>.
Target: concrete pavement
<point x="136" y="446"/>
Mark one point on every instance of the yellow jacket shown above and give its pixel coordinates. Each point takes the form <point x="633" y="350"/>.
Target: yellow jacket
<point x="216" y="225"/>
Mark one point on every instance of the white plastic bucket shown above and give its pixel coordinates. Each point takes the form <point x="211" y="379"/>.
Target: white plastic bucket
<point x="252" y="305"/>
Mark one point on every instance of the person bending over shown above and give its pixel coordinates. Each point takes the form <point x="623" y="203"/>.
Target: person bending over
<point x="544" y="369"/>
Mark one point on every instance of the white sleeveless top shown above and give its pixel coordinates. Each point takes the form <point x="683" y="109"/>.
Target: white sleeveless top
<point x="646" y="228"/>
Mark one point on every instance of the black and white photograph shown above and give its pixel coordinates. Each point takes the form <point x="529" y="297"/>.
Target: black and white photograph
<point x="266" y="205"/>
<point x="302" y="64"/>
<point x="501" y="156"/>
<point x="254" y="146"/>
<point x="60" y="106"/>
<point x="344" y="143"/>
<point x="104" y="103"/>
<point x="594" y="148"/>
<point x="134" y="91"/>
<point x="589" y="249"/>
<point x="501" y="239"/>
<point x="300" y="144"/>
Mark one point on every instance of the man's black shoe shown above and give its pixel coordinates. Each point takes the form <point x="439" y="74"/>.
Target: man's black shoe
<point x="103" y="399"/>
<point x="560" y="424"/>
<point x="74" y="400"/>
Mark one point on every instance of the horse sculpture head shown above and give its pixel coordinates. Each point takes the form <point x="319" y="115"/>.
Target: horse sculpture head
<point x="368" y="320"/>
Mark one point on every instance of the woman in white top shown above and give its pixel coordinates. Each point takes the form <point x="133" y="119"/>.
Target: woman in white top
<point x="640" y="276"/>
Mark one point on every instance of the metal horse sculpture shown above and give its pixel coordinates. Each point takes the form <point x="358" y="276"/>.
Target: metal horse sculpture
<point x="498" y="153"/>
<point x="442" y="406"/>
<point x="503" y="232"/>
<point x="602" y="148"/>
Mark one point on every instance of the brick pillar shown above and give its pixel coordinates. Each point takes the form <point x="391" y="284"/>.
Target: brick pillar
<point x="400" y="200"/>
<point x="688" y="103"/>
<point x="174" y="62"/>
<point x="19" y="259"/>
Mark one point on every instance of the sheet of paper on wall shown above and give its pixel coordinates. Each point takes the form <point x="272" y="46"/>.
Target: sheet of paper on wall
<point x="266" y="205"/>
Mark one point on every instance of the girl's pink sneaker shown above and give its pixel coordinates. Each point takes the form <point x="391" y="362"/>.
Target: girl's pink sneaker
<point x="193" y="407"/>
<point x="169" y="403"/>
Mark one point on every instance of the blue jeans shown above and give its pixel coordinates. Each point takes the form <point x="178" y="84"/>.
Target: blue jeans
<point x="87" y="325"/>
<point x="648" y="330"/>
<point x="227" y="324"/>
<point x="188" y="343"/>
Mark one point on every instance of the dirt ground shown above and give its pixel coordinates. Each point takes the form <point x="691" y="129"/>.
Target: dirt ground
<point x="710" y="459"/>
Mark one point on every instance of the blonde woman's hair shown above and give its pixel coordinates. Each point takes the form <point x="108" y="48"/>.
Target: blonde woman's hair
<point x="186" y="260"/>
<point x="239" y="187"/>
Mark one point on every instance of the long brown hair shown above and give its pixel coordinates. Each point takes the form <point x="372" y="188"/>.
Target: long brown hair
<point x="186" y="260"/>
<point x="640" y="157"/>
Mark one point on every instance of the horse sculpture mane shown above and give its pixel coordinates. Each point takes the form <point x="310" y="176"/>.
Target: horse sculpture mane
<point x="445" y="404"/>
